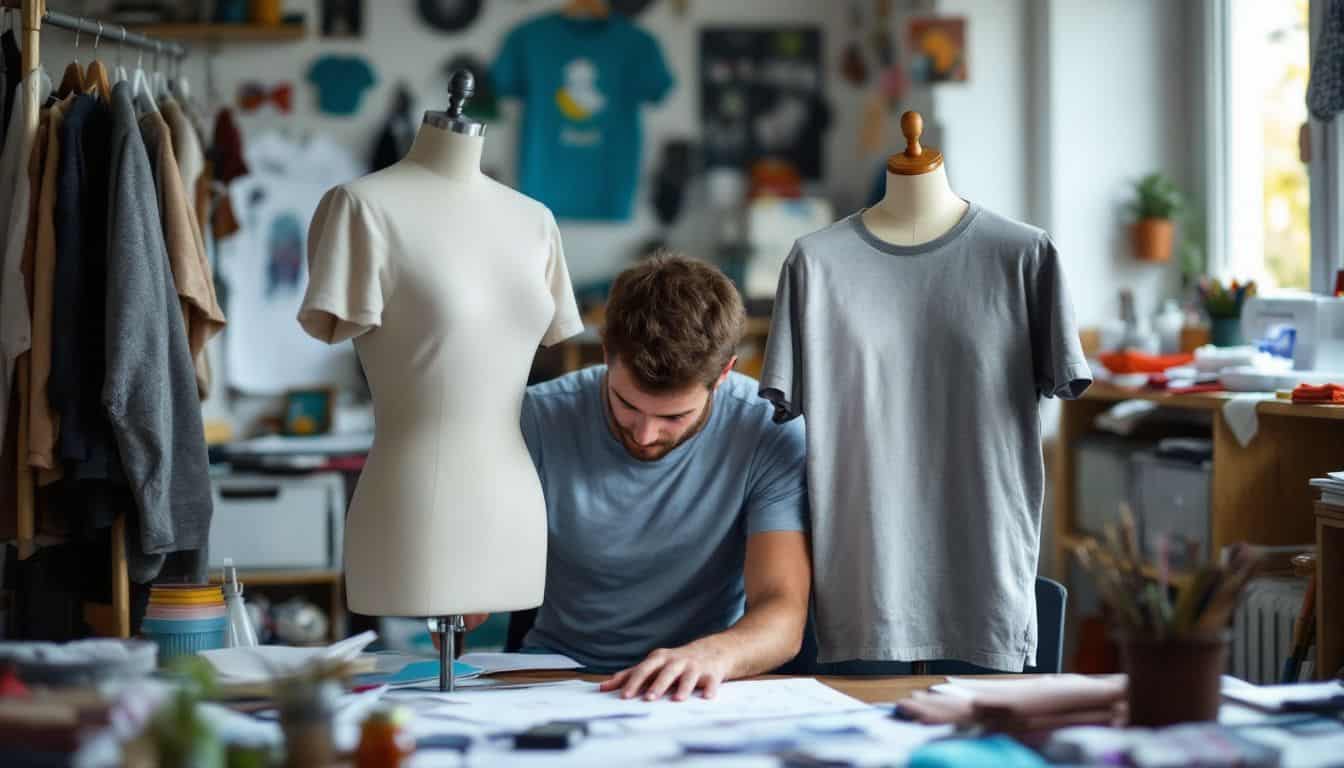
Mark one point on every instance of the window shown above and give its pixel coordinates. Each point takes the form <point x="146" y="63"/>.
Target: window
<point x="1267" y="219"/>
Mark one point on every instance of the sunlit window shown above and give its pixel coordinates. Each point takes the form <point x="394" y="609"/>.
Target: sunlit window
<point x="1269" y="223"/>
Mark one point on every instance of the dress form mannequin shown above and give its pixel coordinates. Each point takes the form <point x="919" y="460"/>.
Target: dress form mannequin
<point x="447" y="281"/>
<point x="919" y="205"/>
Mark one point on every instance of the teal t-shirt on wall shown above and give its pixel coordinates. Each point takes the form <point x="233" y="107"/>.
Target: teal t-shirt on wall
<point x="341" y="82"/>
<point x="582" y="82"/>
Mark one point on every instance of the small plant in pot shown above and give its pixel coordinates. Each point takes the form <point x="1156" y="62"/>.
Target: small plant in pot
<point x="1157" y="204"/>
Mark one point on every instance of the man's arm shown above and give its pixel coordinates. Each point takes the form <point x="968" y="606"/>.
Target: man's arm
<point x="778" y="578"/>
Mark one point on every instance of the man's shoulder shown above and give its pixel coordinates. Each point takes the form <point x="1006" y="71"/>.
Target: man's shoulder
<point x="566" y="390"/>
<point x="740" y="397"/>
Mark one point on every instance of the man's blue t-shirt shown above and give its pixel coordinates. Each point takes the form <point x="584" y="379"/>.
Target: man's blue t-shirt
<point x="582" y="82"/>
<point x="649" y="554"/>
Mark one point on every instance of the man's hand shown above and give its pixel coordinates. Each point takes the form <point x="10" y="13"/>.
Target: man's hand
<point x="680" y="671"/>
<point x="472" y="620"/>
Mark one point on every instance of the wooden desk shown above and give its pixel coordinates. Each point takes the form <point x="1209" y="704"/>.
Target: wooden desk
<point x="1329" y="589"/>
<point x="1260" y="493"/>
<point x="867" y="689"/>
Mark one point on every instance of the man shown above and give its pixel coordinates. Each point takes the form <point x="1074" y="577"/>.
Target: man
<point x="671" y="496"/>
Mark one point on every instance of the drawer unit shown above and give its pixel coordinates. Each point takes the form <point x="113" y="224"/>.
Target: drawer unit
<point x="270" y="521"/>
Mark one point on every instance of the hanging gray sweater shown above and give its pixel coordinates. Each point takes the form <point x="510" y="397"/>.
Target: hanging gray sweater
<point x="150" y="385"/>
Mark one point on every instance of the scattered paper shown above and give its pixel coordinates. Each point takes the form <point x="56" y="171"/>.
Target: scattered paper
<point x="494" y="663"/>
<point x="1273" y="697"/>
<point x="1064" y="685"/>
<point x="266" y="662"/>
<point x="515" y="708"/>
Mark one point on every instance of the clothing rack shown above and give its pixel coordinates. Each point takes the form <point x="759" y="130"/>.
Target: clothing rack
<point x="118" y="623"/>
<point x="35" y="15"/>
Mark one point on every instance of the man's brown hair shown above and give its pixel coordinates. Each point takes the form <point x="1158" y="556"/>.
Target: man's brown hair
<point x="673" y="321"/>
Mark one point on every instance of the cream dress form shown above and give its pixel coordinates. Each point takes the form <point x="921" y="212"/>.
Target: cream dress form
<point x="919" y="204"/>
<point x="447" y="281"/>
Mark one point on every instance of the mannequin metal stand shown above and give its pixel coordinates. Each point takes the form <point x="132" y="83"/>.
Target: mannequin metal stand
<point x="461" y="87"/>
<point x="448" y="627"/>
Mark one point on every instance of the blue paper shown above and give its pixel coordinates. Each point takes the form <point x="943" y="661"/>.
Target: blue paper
<point x="416" y="672"/>
<point x="999" y="751"/>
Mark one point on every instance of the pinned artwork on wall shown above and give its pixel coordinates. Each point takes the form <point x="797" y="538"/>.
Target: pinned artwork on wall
<point x="761" y="97"/>
<point x="342" y="18"/>
<point x="449" y="15"/>
<point x="254" y="96"/>
<point x="938" y="49"/>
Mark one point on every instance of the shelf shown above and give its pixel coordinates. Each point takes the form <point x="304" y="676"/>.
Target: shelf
<point x="223" y="33"/>
<point x="281" y="577"/>
<point x="1212" y="401"/>
<point x="1301" y="410"/>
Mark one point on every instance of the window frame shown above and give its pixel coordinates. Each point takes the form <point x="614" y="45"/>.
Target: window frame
<point x="1325" y="168"/>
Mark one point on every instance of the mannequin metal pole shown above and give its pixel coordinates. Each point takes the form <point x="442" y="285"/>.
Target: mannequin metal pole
<point x="449" y="626"/>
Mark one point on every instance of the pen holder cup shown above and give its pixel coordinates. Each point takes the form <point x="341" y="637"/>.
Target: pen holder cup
<point x="1173" y="680"/>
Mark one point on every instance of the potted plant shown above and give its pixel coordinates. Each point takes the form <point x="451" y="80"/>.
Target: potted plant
<point x="1223" y="305"/>
<point x="1156" y="205"/>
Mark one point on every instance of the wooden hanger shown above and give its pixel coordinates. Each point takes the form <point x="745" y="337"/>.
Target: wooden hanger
<point x="96" y="80"/>
<point x="72" y="81"/>
<point x="587" y="9"/>
<point x="916" y="159"/>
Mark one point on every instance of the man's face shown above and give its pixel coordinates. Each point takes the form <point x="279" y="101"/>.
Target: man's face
<point x="651" y="425"/>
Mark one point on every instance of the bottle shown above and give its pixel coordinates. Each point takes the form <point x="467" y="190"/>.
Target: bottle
<point x="1168" y="325"/>
<point x="240" y="632"/>
<point x="384" y="740"/>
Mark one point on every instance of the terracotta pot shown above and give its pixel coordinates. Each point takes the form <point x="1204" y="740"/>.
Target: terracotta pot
<point x="1174" y="680"/>
<point x="1153" y="238"/>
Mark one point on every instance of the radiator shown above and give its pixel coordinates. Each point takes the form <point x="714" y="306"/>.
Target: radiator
<point x="1262" y="630"/>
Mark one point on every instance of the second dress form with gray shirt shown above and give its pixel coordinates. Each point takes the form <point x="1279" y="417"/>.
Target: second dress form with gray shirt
<point x="917" y="339"/>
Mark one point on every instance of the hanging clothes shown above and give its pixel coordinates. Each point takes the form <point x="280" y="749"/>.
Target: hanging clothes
<point x="398" y="131"/>
<point x="79" y="319"/>
<point x="201" y="315"/>
<point x="161" y="439"/>
<point x="13" y="58"/>
<point x="15" y="194"/>
<point x="42" y="417"/>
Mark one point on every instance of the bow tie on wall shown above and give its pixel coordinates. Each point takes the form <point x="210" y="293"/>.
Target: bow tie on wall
<point x="254" y="96"/>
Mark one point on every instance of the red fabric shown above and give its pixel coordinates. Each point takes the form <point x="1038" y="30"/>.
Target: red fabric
<point x="1326" y="393"/>
<point x="1130" y="361"/>
<point x="228" y="150"/>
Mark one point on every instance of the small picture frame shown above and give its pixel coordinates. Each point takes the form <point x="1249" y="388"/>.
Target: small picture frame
<point x="308" y="411"/>
<point x="342" y="18"/>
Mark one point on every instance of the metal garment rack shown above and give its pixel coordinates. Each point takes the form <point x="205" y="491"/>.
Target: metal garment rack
<point x="115" y="32"/>
<point x="35" y="15"/>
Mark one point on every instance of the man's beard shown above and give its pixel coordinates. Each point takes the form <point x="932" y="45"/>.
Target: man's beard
<point x="657" y="450"/>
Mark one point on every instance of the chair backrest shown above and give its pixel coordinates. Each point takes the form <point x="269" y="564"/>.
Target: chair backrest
<point x="1051" y="597"/>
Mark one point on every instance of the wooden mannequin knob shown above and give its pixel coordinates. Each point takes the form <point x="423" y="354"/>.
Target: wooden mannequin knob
<point x="916" y="159"/>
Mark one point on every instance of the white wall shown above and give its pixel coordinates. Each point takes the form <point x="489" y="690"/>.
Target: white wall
<point x="985" y="121"/>
<point x="1120" y="104"/>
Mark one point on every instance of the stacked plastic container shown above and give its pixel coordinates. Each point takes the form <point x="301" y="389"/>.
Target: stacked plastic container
<point x="183" y="619"/>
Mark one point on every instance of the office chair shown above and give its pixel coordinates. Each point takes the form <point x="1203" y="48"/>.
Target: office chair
<point x="1051" y="599"/>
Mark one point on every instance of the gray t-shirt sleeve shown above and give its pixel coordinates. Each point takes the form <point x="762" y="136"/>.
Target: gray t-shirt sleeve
<point x="1057" y="353"/>
<point x="782" y="375"/>
<point x="777" y="495"/>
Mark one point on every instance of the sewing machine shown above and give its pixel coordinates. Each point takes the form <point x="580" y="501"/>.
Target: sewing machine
<point x="1317" y="324"/>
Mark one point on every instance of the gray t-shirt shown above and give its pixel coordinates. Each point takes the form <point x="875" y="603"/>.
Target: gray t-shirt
<point x="649" y="554"/>
<point x="919" y="370"/>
